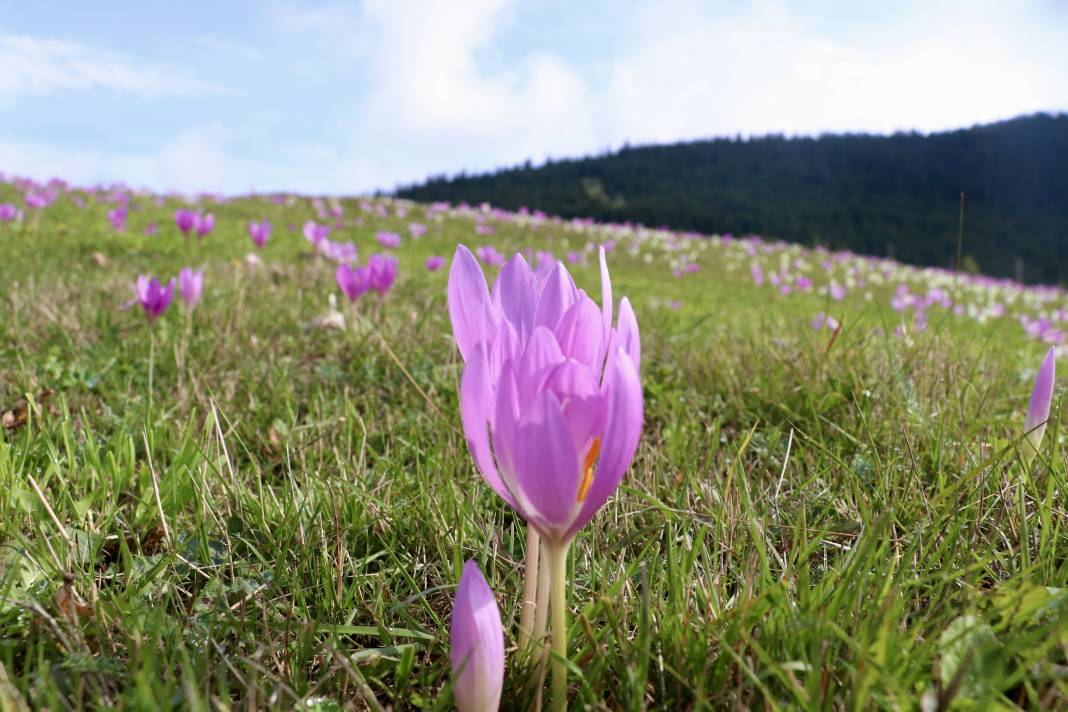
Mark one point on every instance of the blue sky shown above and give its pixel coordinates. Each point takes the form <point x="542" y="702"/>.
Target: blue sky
<point x="344" y="97"/>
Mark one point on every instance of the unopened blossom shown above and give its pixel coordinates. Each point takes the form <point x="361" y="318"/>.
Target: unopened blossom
<point x="476" y="642"/>
<point x="1038" y="408"/>
<point x="434" y="263"/>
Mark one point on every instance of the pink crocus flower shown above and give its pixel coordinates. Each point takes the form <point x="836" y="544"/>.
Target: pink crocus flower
<point x="1038" y="408"/>
<point x="7" y="212"/>
<point x="352" y="281"/>
<point x="389" y="240"/>
<point x="383" y="272"/>
<point x="259" y="232"/>
<point x="434" y="263"/>
<point x="185" y="220"/>
<point x="476" y="642"/>
<point x="204" y="224"/>
<point x="416" y="230"/>
<point x="316" y="234"/>
<point x="190" y="286"/>
<point x="550" y="397"/>
<point x="153" y="297"/>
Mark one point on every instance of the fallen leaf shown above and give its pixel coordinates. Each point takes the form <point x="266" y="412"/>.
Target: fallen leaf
<point x="17" y="416"/>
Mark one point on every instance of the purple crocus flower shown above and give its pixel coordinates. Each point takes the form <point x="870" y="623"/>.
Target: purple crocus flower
<point x="151" y="229"/>
<point x="37" y="200"/>
<point x="416" y="230"/>
<point x="389" y="240"/>
<point x="316" y="234"/>
<point x="550" y="397"/>
<point x="383" y="272"/>
<point x="1038" y="409"/>
<point x="433" y="264"/>
<point x="190" y="285"/>
<point x="352" y="281"/>
<point x="259" y="232"/>
<point x="117" y="218"/>
<point x="153" y="297"/>
<point x="7" y="212"/>
<point x="204" y="224"/>
<point x="185" y="220"/>
<point x="476" y="641"/>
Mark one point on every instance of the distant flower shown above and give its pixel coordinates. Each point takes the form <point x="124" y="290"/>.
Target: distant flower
<point x="259" y="232"/>
<point x="352" y="281"/>
<point x="489" y="255"/>
<point x="416" y="230"/>
<point x="476" y="642"/>
<point x="153" y="297"/>
<point x="185" y="220"/>
<point x="383" y="272"/>
<point x="37" y="200"/>
<point x="1038" y="408"/>
<point x="204" y="224"/>
<point x="433" y="264"/>
<point x="151" y="229"/>
<point x="117" y="218"/>
<point x="837" y="292"/>
<point x="190" y="285"/>
<point x="757" y="274"/>
<point x="338" y="251"/>
<point x="390" y="240"/>
<point x="824" y="320"/>
<point x="7" y="212"/>
<point x="316" y="234"/>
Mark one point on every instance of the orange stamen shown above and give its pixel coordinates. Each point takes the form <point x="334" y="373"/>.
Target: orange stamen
<point x="587" y="468"/>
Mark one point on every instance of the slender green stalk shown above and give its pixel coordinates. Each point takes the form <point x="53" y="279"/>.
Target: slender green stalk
<point x="530" y="589"/>
<point x="558" y="607"/>
<point x="541" y="608"/>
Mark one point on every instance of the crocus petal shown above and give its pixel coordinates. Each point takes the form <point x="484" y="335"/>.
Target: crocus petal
<point x="473" y="315"/>
<point x="476" y="400"/>
<point x="606" y="294"/>
<point x="626" y="336"/>
<point x="1041" y="399"/>
<point x="623" y="428"/>
<point x="547" y="466"/>
<point x="516" y="294"/>
<point x="557" y="295"/>
<point x="542" y="354"/>
<point x="580" y="332"/>
<point x="476" y="644"/>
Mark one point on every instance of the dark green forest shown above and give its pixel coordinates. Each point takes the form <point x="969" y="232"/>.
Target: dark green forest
<point x="896" y="195"/>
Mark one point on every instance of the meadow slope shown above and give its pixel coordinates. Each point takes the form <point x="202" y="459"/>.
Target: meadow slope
<point x="243" y="506"/>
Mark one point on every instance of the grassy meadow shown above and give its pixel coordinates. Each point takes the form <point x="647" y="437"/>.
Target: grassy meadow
<point x="237" y="507"/>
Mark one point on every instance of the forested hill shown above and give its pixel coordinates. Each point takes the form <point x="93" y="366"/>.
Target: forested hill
<point x="895" y="195"/>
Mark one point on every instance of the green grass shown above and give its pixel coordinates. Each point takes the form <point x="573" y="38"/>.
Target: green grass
<point x="254" y="514"/>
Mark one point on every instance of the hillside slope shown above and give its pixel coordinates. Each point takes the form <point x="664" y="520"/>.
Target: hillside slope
<point x="883" y="195"/>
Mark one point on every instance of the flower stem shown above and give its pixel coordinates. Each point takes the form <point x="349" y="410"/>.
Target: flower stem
<point x="530" y="589"/>
<point x="558" y="608"/>
<point x="541" y="609"/>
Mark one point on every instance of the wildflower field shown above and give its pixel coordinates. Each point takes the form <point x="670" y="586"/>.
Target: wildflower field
<point x="257" y="487"/>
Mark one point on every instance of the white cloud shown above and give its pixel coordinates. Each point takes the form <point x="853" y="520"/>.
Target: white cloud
<point x="38" y="66"/>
